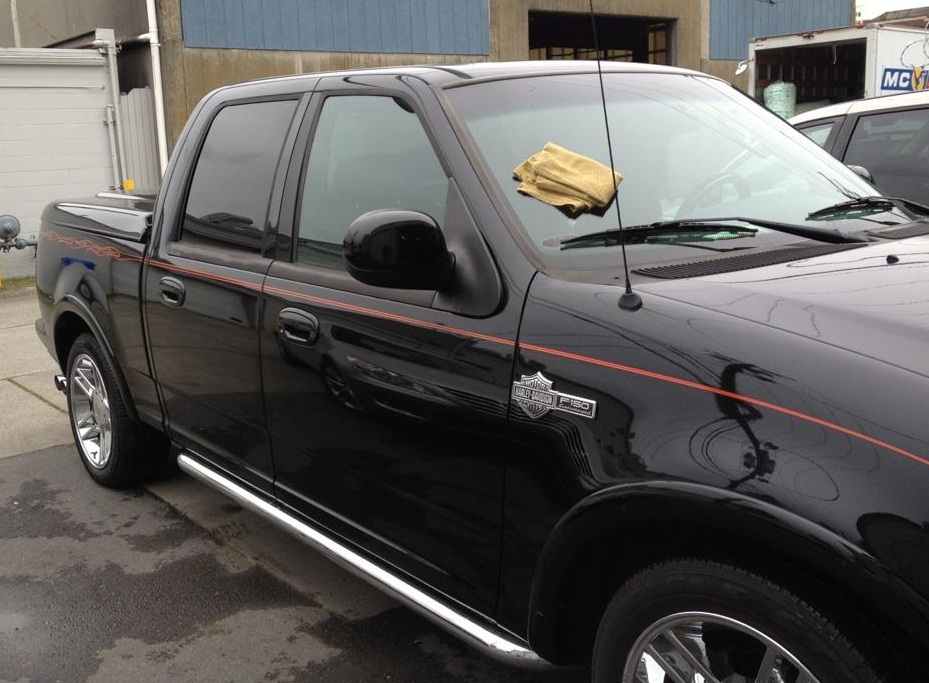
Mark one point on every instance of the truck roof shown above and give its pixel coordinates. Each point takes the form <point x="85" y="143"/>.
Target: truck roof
<point x="454" y="73"/>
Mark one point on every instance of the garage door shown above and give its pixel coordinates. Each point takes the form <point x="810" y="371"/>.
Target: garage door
<point x="54" y="143"/>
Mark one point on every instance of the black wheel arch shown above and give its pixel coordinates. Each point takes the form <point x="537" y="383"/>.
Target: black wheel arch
<point x="72" y="317"/>
<point x="611" y="535"/>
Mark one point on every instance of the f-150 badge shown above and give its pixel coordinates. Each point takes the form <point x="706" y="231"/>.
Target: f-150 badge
<point x="533" y="393"/>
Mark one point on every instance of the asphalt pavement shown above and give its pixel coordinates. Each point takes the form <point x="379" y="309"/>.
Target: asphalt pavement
<point x="174" y="582"/>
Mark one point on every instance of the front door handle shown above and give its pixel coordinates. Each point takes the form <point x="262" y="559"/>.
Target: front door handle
<point x="297" y="327"/>
<point x="173" y="291"/>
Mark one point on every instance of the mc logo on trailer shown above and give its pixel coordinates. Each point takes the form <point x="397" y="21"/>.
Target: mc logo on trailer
<point x="904" y="80"/>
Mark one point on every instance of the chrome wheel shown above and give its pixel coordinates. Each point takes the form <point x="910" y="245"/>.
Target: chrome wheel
<point x="698" y="647"/>
<point x="90" y="411"/>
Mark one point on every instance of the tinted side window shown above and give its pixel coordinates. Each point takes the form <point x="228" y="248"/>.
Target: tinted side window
<point x="819" y="133"/>
<point x="231" y="186"/>
<point x="894" y="147"/>
<point x="368" y="153"/>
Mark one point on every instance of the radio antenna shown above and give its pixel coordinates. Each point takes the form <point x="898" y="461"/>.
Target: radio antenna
<point x="629" y="299"/>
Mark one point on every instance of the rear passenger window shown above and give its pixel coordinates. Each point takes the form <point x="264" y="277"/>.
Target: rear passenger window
<point x="894" y="147"/>
<point x="819" y="133"/>
<point x="231" y="188"/>
<point x="368" y="153"/>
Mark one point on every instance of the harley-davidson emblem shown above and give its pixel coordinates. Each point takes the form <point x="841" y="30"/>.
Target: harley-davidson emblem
<point x="534" y="394"/>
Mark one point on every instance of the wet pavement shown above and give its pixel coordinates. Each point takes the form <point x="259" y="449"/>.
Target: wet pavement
<point x="104" y="586"/>
<point x="174" y="582"/>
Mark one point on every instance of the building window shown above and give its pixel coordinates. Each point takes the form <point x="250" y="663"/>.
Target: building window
<point x="565" y="35"/>
<point x="658" y="39"/>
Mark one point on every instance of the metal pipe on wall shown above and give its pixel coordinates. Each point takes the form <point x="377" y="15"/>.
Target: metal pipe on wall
<point x="106" y="39"/>
<point x="14" y="16"/>
<point x="114" y="161"/>
<point x="157" y="85"/>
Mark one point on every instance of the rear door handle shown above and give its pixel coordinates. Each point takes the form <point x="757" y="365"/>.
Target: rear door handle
<point x="297" y="327"/>
<point x="173" y="291"/>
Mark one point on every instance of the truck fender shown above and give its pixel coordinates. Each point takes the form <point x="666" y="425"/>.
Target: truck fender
<point x="70" y="303"/>
<point x="622" y="516"/>
<point x="74" y="305"/>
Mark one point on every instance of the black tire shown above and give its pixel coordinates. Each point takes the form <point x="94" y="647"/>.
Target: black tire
<point x="689" y="595"/>
<point x="115" y="448"/>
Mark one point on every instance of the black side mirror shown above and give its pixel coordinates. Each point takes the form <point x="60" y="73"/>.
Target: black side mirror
<point x="398" y="249"/>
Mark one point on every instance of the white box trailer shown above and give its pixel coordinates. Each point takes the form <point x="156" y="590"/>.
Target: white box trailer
<point x="841" y="64"/>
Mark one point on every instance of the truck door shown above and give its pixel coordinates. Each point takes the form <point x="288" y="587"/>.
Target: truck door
<point x="203" y="282"/>
<point x="387" y="415"/>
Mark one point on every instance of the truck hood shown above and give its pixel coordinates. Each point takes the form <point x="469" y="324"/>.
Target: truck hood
<point x="873" y="301"/>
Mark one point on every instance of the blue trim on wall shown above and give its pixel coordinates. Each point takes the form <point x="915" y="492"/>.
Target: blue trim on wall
<point x="733" y="23"/>
<point x="378" y="26"/>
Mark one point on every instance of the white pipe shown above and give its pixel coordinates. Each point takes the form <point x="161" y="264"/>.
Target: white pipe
<point x="14" y="15"/>
<point x="157" y="85"/>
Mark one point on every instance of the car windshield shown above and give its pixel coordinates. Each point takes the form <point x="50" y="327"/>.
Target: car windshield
<point x="688" y="147"/>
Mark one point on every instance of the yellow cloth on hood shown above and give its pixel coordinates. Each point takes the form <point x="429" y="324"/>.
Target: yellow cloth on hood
<point x="565" y="179"/>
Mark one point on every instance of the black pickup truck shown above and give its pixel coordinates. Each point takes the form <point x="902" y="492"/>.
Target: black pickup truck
<point x="343" y="311"/>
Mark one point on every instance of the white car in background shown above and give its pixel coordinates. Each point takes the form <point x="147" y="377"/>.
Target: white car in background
<point x="888" y="136"/>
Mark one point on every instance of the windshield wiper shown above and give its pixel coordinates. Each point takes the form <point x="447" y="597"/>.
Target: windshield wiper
<point x="689" y="231"/>
<point x="869" y="202"/>
<point x="638" y="234"/>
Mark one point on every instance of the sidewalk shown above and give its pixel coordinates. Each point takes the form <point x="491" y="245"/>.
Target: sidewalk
<point x="33" y="414"/>
<point x="17" y="262"/>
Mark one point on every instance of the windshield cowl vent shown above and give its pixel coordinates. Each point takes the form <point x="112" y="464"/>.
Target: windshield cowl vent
<point x="910" y="230"/>
<point x="730" y="264"/>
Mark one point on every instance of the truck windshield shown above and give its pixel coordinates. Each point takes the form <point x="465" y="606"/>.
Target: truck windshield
<point x="688" y="147"/>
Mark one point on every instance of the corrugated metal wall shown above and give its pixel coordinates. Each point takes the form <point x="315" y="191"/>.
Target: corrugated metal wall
<point x="379" y="26"/>
<point x="733" y="23"/>
<point x="137" y="108"/>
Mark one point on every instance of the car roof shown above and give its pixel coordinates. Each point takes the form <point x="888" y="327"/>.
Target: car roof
<point x="495" y="70"/>
<point x="873" y="104"/>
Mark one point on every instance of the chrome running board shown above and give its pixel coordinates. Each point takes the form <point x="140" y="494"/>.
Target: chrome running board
<point x="496" y="644"/>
